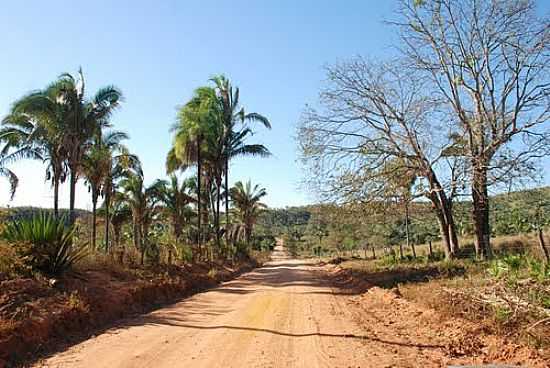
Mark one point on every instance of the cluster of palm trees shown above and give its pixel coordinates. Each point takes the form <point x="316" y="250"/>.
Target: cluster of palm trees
<point x="72" y="134"/>
<point x="212" y="128"/>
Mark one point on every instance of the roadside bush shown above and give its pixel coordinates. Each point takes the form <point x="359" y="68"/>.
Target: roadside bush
<point x="44" y="243"/>
<point x="12" y="265"/>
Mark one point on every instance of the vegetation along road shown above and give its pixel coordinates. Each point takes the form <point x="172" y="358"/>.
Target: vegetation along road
<point x="289" y="313"/>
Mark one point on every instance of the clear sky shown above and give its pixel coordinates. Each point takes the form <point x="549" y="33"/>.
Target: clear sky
<point x="157" y="52"/>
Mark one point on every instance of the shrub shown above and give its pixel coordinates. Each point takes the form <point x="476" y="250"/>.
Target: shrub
<point x="186" y="253"/>
<point x="45" y="243"/>
<point x="12" y="265"/>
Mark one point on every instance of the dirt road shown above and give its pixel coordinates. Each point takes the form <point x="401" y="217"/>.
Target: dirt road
<point x="285" y="314"/>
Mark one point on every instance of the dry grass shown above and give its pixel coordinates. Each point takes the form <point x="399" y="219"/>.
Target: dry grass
<point x="508" y="297"/>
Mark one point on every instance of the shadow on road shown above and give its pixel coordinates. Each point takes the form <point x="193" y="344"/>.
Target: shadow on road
<point x="175" y="323"/>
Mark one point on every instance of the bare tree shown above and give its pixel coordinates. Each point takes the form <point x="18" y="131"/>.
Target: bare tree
<point x="377" y="123"/>
<point x="487" y="60"/>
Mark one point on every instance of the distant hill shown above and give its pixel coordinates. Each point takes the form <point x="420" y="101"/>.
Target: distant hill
<point x="14" y="213"/>
<point x="509" y="213"/>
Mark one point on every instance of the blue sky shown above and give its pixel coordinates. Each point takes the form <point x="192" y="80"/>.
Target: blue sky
<point x="158" y="52"/>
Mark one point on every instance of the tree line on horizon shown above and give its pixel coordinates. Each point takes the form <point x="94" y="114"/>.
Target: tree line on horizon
<point x="326" y="228"/>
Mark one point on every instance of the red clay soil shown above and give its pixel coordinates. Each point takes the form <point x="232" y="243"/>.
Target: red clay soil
<point x="425" y="335"/>
<point x="36" y="317"/>
<point x="292" y="313"/>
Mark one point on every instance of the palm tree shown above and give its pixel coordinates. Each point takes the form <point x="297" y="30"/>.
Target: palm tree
<point x="233" y="137"/>
<point x="97" y="165"/>
<point x="5" y="172"/>
<point x="121" y="166"/>
<point x="247" y="205"/>
<point x="34" y="125"/>
<point x="82" y="120"/>
<point x="192" y="145"/>
<point x="175" y="200"/>
<point x="119" y="214"/>
<point x="142" y="204"/>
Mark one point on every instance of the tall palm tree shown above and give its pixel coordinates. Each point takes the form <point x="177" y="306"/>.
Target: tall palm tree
<point x="175" y="198"/>
<point x="234" y="120"/>
<point x="194" y="131"/>
<point x="83" y="119"/>
<point x="34" y="125"/>
<point x="97" y="166"/>
<point x="247" y="206"/>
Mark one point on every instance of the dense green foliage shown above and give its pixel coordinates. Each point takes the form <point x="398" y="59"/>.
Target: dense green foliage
<point x="334" y="228"/>
<point x="44" y="243"/>
<point x="179" y="219"/>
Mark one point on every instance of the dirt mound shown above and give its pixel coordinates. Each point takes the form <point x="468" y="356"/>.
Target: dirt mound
<point x="36" y="317"/>
<point x="457" y="341"/>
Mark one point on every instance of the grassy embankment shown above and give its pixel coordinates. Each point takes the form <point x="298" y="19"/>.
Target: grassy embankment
<point x="508" y="296"/>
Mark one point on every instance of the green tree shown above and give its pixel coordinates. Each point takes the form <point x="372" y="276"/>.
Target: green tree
<point x="97" y="165"/>
<point x="194" y="130"/>
<point x="247" y="206"/>
<point x="175" y="198"/>
<point x="120" y="213"/>
<point x="487" y="64"/>
<point x="235" y="131"/>
<point x="34" y="128"/>
<point x="83" y="119"/>
<point x="142" y="203"/>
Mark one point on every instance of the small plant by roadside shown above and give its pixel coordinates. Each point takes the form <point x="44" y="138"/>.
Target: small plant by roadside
<point x="75" y="302"/>
<point x="212" y="273"/>
<point x="44" y="244"/>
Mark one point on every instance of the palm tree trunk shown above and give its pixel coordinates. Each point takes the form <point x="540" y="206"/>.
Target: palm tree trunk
<point x="217" y="217"/>
<point x="142" y="243"/>
<point x="117" y="230"/>
<point x="199" y="202"/>
<point x="72" y="194"/>
<point x="94" y="226"/>
<point x="136" y="234"/>
<point x="227" y="202"/>
<point x="107" y="220"/>
<point x="56" y="196"/>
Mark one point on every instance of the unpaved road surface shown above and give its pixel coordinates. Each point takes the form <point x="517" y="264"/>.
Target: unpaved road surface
<point x="285" y="314"/>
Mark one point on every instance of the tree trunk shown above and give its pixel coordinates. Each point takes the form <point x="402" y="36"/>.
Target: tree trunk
<point x="135" y="230"/>
<point x="56" y="195"/>
<point x="480" y="214"/>
<point x="217" y="216"/>
<point x="107" y="220"/>
<point x="430" y="250"/>
<point x="117" y="234"/>
<point x="443" y="208"/>
<point x="543" y="247"/>
<point x="94" y="215"/>
<point x="445" y="237"/>
<point x="409" y="244"/>
<point x="248" y="235"/>
<point x="142" y="242"/>
<point x="199" y="195"/>
<point x="72" y="194"/>
<point x="227" y="202"/>
<point x="373" y="253"/>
